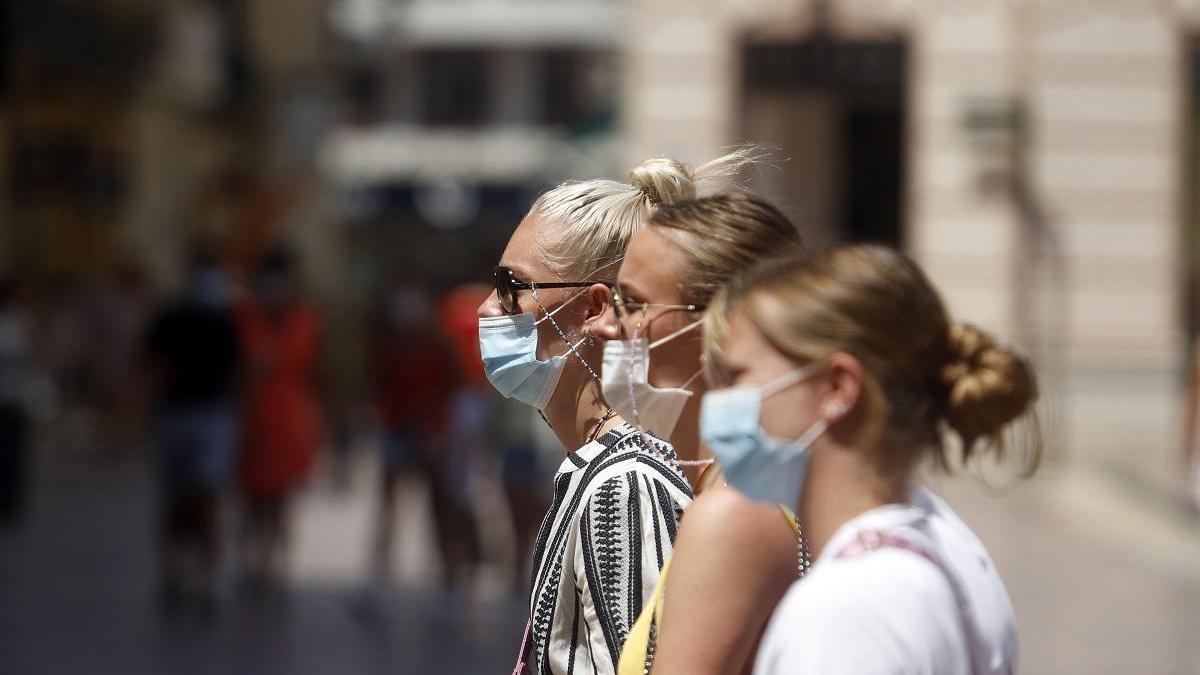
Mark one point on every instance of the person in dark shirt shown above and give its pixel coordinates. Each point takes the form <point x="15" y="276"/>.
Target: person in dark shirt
<point x="15" y="365"/>
<point x="415" y="378"/>
<point x="193" y="355"/>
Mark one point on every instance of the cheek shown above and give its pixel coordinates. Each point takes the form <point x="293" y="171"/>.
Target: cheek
<point x="788" y="414"/>
<point x="674" y="362"/>
<point x="550" y="343"/>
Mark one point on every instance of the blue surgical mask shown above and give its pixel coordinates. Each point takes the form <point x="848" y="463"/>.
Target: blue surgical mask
<point x="508" y="345"/>
<point x="761" y="467"/>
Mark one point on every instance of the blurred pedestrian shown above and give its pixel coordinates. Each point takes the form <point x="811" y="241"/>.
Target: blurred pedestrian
<point x="469" y="438"/>
<point x="489" y="425"/>
<point x="193" y="356"/>
<point x="15" y="364"/>
<point x="123" y="303"/>
<point x="526" y="468"/>
<point x="415" y="379"/>
<point x="845" y="374"/>
<point x="281" y="418"/>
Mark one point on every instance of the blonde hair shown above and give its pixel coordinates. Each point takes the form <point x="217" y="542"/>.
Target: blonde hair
<point x="598" y="217"/>
<point x="921" y="374"/>
<point x="720" y="236"/>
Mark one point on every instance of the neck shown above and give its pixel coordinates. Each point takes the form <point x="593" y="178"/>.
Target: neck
<point x="686" y="439"/>
<point x="841" y="484"/>
<point x="576" y="409"/>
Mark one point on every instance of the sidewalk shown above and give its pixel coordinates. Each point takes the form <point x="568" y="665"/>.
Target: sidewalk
<point x="76" y="597"/>
<point x="1103" y="580"/>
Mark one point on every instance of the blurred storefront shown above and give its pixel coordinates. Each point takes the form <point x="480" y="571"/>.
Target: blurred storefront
<point x="1031" y="153"/>
<point x="461" y="113"/>
<point x="1038" y="156"/>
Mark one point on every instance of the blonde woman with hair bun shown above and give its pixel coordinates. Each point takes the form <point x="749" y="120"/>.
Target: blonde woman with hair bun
<point x="652" y="374"/>
<point x="619" y="493"/>
<point x="845" y="374"/>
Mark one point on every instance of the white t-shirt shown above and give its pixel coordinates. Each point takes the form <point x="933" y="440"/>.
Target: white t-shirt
<point x="890" y="610"/>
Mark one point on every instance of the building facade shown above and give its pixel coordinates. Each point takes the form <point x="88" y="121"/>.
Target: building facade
<point x="1039" y="162"/>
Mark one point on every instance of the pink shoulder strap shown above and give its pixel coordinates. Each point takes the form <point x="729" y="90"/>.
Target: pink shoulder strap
<point x="870" y="540"/>
<point x="519" y="669"/>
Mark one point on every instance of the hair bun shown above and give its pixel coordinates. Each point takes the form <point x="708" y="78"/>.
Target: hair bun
<point x="988" y="385"/>
<point x="663" y="181"/>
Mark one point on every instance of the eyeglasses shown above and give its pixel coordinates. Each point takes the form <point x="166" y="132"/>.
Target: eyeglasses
<point x="628" y="308"/>
<point x="507" y="285"/>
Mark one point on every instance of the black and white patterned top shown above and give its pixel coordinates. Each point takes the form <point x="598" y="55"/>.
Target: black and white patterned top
<point x="600" y="548"/>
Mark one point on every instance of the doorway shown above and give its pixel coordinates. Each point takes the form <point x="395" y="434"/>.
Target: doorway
<point x="835" y="109"/>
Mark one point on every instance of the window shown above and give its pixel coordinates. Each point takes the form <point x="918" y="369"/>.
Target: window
<point x="455" y="89"/>
<point x="576" y="89"/>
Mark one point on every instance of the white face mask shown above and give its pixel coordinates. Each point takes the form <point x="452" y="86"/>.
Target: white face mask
<point x="626" y="384"/>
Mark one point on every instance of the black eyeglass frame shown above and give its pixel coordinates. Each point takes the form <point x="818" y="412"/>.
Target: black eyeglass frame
<point x="505" y="281"/>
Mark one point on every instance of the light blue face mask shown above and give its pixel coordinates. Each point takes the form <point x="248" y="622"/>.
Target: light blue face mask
<point x="508" y="345"/>
<point x="761" y="467"/>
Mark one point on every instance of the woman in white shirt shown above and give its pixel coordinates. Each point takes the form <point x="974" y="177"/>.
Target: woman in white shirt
<point x="846" y="374"/>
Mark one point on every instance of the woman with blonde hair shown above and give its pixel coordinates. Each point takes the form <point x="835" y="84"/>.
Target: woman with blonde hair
<point x="618" y="494"/>
<point x="846" y="374"/>
<point x="744" y="551"/>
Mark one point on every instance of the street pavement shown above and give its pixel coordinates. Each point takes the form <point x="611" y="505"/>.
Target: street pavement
<point x="77" y="596"/>
<point x="1104" y="581"/>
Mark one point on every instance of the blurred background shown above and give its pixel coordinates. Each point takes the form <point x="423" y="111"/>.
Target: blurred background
<point x="254" y="230"/>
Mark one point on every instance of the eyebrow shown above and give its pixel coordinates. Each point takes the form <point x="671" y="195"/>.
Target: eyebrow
<point x="520" y="270"/>
<point x="629" y="291"/>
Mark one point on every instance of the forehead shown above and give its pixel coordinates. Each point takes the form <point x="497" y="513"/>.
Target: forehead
<point x="653" y="267"/>
<point x="523" y="254"/>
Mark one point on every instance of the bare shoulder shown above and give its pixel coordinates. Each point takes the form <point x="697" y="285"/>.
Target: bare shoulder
<point x="723" y="525"/>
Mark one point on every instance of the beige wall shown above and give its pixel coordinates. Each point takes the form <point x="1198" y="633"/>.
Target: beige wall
<point x="1105" y="92"/>
<point x="1109" y="94"/>
<point x="804" y="127"/>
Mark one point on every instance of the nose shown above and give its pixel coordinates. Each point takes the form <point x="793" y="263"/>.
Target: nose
<point x="608" y="327"/>
<point x="489" y="307"/>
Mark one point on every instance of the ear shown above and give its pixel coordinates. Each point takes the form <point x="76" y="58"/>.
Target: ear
<point x="608" y="324"/>
<point x="599" y="312"/>
<point x="845" y="386"/>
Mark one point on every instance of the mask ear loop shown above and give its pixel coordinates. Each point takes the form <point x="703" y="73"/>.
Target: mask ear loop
<point x="788" y="379"/>
<point x="809" y="437"/>
<point x="663" y="340"/>
<point x="646" y="366"/>
<point x="556" y="310"/>
<point x="695" y="462"/>
<point x="688" y="382"/>
<point x="633" y="399"/>
<point x="572" y="348"/>
<point x="646" y="443"/>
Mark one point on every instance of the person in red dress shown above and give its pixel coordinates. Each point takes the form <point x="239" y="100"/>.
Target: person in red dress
<point x="281" y="419"/>
<point x="415" y="376"/>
